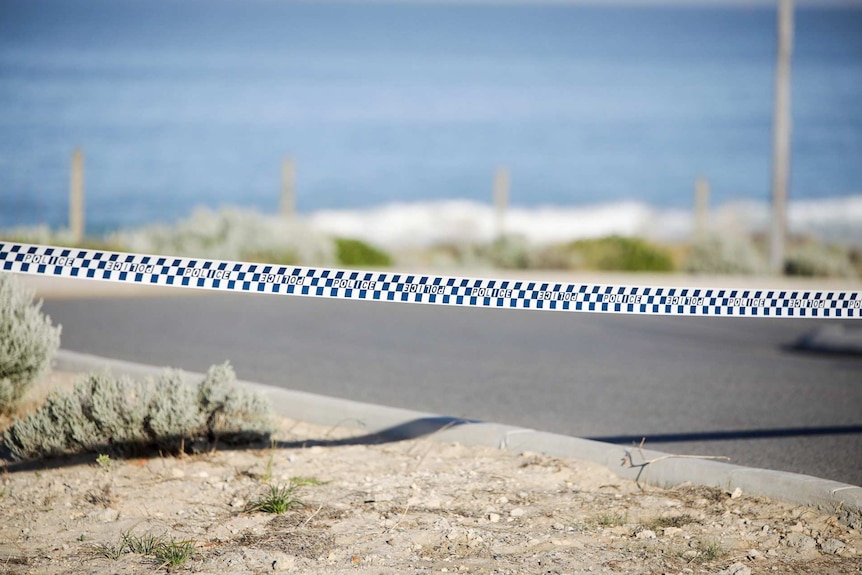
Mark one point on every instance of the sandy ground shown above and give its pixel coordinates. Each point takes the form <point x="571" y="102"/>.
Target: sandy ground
<point x="419" y="506"/>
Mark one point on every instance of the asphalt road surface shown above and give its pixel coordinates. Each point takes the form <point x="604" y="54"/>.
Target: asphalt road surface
<point x="705" y="386"/>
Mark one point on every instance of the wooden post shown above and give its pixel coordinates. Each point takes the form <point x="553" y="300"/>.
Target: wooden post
<point x="288" y="188"/>
<point x="76" y="197"/>
<point x="501" y="198"/>
<point x="701" y="207"/>
<point x="781" y="138"/>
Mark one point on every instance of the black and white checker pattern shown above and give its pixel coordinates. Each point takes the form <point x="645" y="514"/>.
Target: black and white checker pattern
<point x="439" y="290"/>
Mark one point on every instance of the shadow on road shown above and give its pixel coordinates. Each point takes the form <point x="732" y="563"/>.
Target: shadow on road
<point x="413" y="429"/>
<point x="731" y="434"/>
<point x="427" y="426"/>
<point x="830" y="340"/>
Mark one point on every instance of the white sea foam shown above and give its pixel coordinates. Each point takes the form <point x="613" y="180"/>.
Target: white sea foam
<point x="422" y="224"/>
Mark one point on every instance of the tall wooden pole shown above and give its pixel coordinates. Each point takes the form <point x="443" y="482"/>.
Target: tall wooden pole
<point x="76" y="197"/>
<point x="501" y="198"/>
<point x="288" y="188"/>
<point x="701" y="207"/>
<point x="781" y="138"/>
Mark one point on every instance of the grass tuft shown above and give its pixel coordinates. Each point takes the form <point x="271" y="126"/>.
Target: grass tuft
<point x="168" y="552"/>
<point x="299" y="481"/>
<point x="612" y="519"/>
<point x="665" y="522"/>
<point x="105" y="462"/>
<point x="145" y="544"/>
<point x="112" y="551"/>
<point x="711" y="551"/>
<point x="174" y="553"/>
<point x="279" y="499"/>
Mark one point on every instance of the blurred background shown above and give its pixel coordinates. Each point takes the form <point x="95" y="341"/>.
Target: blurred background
<point x="633" y="136"/>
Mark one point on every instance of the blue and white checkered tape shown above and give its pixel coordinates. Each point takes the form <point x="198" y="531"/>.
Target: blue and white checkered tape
<point x="427" y="289"/>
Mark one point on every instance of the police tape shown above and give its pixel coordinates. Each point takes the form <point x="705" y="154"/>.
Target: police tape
<point x="426" y="289"/>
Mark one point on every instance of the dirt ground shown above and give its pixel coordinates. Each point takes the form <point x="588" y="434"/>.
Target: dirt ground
<point x="418" y="506"/>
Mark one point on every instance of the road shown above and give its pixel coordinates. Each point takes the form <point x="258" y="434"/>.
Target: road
<point x="706" y="386"/>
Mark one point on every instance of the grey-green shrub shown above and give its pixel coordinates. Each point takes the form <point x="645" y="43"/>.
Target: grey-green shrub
<point x="175" y="413"/>
<point x="725" y="255"/>
<point x="232" y="414"/>
<point x="233" y="234"/>
<point x="510" y="251"/>
<point x="814" y="259"/>
<point x="125" y="416"/>
<point x="117" y="407"/>
<point x="28" y="341"/>
<point x="52" y="429"/>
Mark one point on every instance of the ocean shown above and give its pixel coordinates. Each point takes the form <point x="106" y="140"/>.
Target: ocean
<point x="184" y="103"/>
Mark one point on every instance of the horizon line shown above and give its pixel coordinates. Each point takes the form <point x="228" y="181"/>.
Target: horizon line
<point x="754" y="4"/>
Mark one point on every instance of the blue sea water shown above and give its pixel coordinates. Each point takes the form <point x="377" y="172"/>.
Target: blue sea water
<point x="178" y="103"/>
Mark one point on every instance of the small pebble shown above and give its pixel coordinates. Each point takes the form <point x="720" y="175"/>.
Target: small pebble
<point x="800" y="541"/>
<point x="754" y="554"/>
<point x="737" y="569"/>
<point x="833" y="546"/>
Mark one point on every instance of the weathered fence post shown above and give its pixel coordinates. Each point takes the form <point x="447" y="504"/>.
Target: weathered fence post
<point x="76" y="197"/>
<point x="781" y="138"/>
<point x="501" y="198"/>
<point x="288" y="188"/>
<point x="701" y="207"/>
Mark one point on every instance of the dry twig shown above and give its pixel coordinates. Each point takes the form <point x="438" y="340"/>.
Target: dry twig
<point x="629" y="459"/>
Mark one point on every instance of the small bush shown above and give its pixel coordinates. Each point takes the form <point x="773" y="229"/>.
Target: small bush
<point x="456" y="255"/>
<point x="854" y="254"/>
<point x="813" y="259"/>
<point x="233" y="234"/>
<point x="279" y="257"/>
<point x="126" y="416"/>
<point x="510" y="252"/>
<point x="722" y="255"/>
<point x="352" y="252"/>
<point x="28" y="342"/>
<point x="44" y="235"/>
<point x="617" y="253"/>
<point x="513" y="251"/>
<point x="232" y="415"/>
<point x="555" y="257"/>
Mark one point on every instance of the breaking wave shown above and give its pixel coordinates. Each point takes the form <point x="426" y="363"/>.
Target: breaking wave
<point x="406" y="225"/>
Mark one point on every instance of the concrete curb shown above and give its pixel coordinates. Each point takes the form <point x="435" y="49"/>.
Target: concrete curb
<point x="381" y="424"/>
